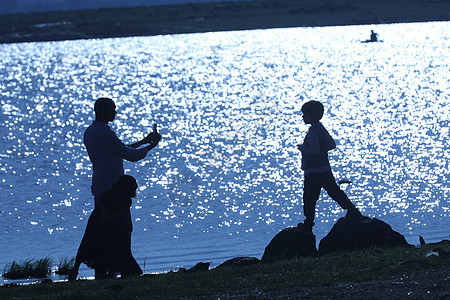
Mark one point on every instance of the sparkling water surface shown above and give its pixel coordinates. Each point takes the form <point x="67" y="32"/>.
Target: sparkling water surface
<point x="226" y="176"/>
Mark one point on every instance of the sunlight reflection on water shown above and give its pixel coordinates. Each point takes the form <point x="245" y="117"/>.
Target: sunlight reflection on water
<point x="226" y="177"/>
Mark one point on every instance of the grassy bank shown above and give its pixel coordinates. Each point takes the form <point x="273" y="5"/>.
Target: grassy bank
<point x="37" y="268"/>
<point x="191" y="18"/>
<point x="370" y="274"/>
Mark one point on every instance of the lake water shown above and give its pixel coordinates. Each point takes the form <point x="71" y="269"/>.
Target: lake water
<point x="226" y="177"/>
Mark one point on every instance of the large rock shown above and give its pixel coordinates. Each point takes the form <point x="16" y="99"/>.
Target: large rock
<point x="349" y="234"/>
<point x="290" y="243"/>
<point x="239" y="262"/>
<point x="199" y="267"/>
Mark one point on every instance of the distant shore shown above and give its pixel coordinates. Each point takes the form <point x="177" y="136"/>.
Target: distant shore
<point x="207" y="17"/>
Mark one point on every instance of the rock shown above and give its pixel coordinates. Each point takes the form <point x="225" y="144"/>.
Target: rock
<point x="443" y="243"/>
<point x="441" y="249"/>
<point x="441" y="252"/>
<point x="290" y="243"/>
<point x="349" y="234"/>
<point x="201" y="266"/>
<point x="64" y="271"/>
<point x="46" y="281"/>
<point x="239" y="262"/>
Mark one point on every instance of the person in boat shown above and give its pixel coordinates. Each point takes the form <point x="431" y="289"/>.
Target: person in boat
<point x="373" y="37"/>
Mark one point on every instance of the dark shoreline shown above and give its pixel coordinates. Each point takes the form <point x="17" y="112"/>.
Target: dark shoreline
<point x="372" y="273"/>
<point x="208" y="17"/>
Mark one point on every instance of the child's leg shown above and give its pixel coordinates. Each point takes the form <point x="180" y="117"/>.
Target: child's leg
<point x="335" y="192"/>
<point x="311" y="193"/>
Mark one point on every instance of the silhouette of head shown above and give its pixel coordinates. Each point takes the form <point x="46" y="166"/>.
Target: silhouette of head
<point x="312" y="111"/>
<point x="105" y="110"/>
<point x="126" y="185"/>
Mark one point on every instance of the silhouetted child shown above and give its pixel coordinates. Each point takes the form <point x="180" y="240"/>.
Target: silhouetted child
<point x="317" y="168"/>
<point x="106" y="244"/>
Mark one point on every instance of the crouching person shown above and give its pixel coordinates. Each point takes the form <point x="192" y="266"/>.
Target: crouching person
<point x="106" y="244"/>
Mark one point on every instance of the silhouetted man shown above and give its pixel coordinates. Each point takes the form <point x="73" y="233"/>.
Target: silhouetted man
<point x="107" y="152"/>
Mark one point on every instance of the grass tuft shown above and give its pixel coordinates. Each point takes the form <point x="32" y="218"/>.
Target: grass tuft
<point x="30" y="268"/>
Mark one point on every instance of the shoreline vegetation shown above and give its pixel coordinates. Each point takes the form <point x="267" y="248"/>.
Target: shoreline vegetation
<point x="36" y="268"/>
<point x="372" y="273"/>
<point x="209" y="17"/>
